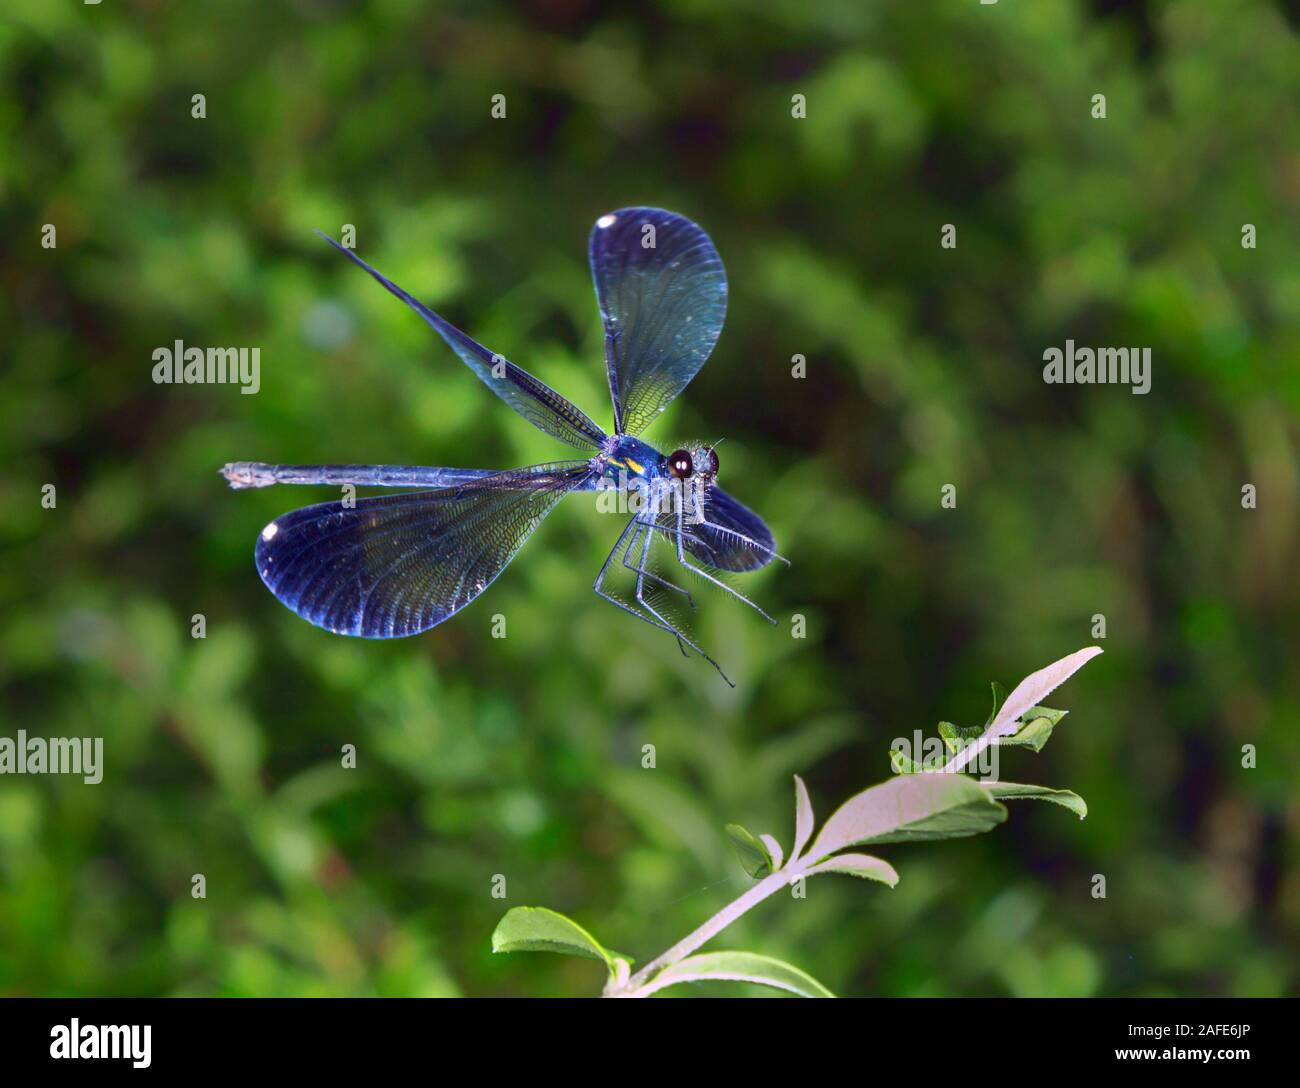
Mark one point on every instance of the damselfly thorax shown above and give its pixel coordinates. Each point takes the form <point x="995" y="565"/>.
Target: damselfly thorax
<point x="662" y="484"/>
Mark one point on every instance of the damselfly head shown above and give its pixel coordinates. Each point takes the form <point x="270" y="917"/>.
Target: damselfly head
<point x="700" y="463"/>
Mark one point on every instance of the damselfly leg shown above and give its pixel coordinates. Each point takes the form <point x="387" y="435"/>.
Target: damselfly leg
<point x="680" y="534"/>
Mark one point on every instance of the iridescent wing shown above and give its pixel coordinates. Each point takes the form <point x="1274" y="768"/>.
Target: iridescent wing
<point x="662" y="293"/>
<point x="536" y="401"/>
<point x="730" y="537"/>
<point x="396" y="565"/>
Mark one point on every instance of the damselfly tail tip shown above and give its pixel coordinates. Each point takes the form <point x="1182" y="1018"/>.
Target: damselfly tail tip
<point x="243" y="474"/>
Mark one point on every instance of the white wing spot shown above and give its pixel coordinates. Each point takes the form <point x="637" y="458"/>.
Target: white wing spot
<point x="269" y="532"/>
<point x="606" y="221"/>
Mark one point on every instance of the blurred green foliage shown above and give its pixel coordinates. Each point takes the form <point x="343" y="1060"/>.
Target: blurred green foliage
<point x="522" y="756"/>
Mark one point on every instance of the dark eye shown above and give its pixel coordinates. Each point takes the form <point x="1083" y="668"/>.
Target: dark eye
<point x="679" y="464"/>
<point x="709" y="463"/>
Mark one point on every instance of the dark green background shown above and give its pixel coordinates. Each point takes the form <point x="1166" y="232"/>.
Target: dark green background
<point x="522" y="756"/>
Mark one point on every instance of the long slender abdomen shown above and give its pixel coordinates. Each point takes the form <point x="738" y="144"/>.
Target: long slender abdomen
<point x="244" y="474"/>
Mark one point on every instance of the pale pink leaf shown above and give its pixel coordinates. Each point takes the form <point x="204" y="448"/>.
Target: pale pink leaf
<point x="803" y="818"/>
<point x="910" y="808"/>
<point x="773" y="850"/>
<point x="860" y="865"/>
<point x="1035" y="687"/>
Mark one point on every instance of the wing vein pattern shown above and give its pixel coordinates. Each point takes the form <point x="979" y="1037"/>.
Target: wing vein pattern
<point x="395" y="565"/>
<point x="662" y="293"/>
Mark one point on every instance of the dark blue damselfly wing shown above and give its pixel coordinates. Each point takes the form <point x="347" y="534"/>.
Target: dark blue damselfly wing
<point x="396" y="565"/>
<point x="662" y="293"/>
<point x="730" y="537"/>
<point x="536" y="401"/>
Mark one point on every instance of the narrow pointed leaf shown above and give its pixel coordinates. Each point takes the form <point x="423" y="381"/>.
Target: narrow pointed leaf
<point x="1036" y="686"/>
<point x="773" y="850"/>
<point x="537" y="929"/>
<point x="1023" y="699"/>
<point x="803" y="818"/>
<point x="739" y="967"/>
<point x="1015" y="791"/>
<point x="754" y="858"/>
<point x="999" y="697"/>
<point x="859" y="865"/>
<point x="910" y="808"/>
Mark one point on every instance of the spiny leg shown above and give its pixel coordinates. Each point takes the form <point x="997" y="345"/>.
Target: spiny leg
<point x="698" y="518"/>
<point x="641" y="571"/>
<point x="681" y="558"/>
<point x="643" y="536"/>
<point x="681" y="636"/>
<point x="645" y="518"/>
<point x="650" y="619"/>
<point x="600" y="578"/>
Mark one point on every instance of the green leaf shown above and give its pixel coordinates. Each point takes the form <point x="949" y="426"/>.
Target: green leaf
<point x="903" y="763"/>
<point x="1014" y="791"/>
<point x="999" y="697"/>
<point x="738" y="967"/>
<point x="956" y="738"/>
<point x="537" y="929"/>
<point x="754" y="856"/>
<point x="859" y="865"/>
<point x="910" y="808"/>
<point x="1053" y="716"/>
<point x="1036" y="729"/>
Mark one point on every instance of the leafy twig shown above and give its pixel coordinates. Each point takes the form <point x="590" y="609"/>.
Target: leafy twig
<point x="922" y="803"/>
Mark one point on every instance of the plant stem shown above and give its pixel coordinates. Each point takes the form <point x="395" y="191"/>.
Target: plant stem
<point x="766" y="887"/>
<point x="962" y="758"/>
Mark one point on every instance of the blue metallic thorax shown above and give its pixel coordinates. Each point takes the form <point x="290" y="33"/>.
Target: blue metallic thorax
<point x="631" y="459"/>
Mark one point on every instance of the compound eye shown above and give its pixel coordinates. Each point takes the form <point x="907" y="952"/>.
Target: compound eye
<point x="679" y="464"/>
<point x="708" y="462"/>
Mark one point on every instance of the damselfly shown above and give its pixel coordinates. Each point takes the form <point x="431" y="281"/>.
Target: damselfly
<point x="396" y="565"/>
